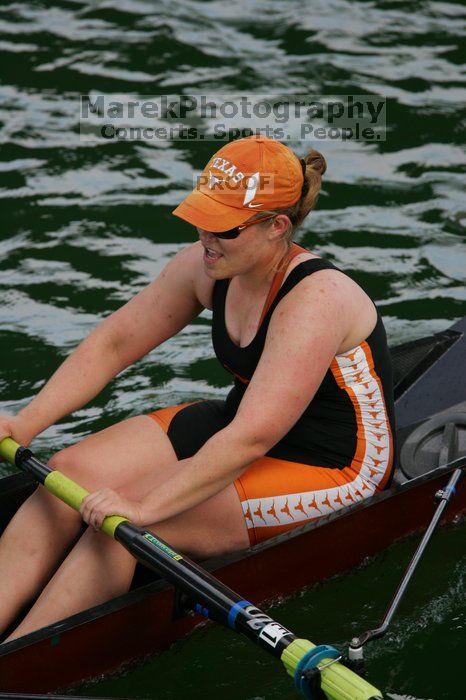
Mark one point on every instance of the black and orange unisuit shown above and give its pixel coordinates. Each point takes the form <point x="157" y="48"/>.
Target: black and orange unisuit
<point x="339" y="451"/>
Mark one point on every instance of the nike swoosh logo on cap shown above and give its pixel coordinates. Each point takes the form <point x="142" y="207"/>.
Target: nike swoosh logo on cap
<point x="254" y="205"/>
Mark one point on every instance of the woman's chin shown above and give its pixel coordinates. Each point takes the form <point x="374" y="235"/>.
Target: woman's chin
<point x="216" y="273"/>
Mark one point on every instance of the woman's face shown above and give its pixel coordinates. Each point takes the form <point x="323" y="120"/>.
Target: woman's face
<point x="256" y="245"/>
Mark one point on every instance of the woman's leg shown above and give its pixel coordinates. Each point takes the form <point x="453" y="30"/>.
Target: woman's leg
<point x="43" y="530"/>
<point x="99" y="568"/>
<point x="35" y="541"/>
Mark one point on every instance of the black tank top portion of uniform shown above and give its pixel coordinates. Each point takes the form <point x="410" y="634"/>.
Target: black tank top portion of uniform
<point x="337" y="423"/>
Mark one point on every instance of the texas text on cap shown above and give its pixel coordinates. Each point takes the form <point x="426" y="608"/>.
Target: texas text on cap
<point x="245" y="176"/>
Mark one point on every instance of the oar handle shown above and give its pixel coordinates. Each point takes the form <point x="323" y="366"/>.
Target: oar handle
<point x="71" y="493"/>
<point x="8" y="449"/>
<point x="60" y="486"/>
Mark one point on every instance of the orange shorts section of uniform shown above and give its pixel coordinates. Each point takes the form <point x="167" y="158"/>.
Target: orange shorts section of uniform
<point x="164" y="416"/>
<point x="278" y="495"/>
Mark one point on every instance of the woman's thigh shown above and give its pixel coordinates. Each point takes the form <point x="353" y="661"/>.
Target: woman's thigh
<point x="143" y="446"/>
<point x="125" y="452"/>
<point x="136" y="455"/>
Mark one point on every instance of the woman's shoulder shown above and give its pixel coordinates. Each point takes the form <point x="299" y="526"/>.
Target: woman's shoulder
<point x="321" y="271"/>
<point x="299" y="257"/>
<point x="340" y="290"/>
<point x="204" y="285"/>
<point x="307" y="264"/>
<point x="185" y="273"/>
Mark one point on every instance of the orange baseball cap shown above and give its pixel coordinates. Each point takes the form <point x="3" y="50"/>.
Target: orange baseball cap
<point x="246" y="176"/>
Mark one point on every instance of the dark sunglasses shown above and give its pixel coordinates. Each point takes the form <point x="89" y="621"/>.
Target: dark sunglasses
<point x="234" y="232"/>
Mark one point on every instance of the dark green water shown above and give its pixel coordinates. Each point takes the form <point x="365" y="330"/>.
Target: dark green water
<point x="86" y="225"/>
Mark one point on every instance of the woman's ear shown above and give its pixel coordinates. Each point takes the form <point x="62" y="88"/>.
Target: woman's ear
<point x="280" y="225"/>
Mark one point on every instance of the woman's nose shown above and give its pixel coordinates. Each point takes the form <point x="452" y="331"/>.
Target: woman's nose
<point x="205" y="236"/>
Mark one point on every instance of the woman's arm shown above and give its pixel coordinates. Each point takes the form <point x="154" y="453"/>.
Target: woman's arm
<point x="305" y="332"/>
<point x="157" y="313"/>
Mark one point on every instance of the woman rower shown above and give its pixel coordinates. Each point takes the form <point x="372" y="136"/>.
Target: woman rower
<point x="307" y="428"/>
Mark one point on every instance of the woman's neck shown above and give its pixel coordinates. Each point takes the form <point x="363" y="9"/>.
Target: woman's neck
<point x="258" y="279"/>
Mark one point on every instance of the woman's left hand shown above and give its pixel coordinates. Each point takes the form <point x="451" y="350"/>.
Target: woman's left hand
<point x="98" y="505"/>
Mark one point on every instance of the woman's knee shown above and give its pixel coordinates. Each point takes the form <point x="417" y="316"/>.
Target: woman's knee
<point x="69" y="461"/>
<point x="60" y="460"/>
